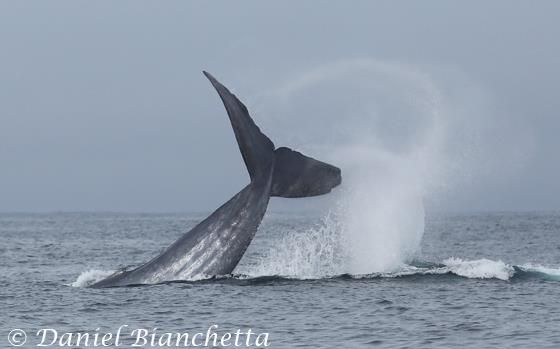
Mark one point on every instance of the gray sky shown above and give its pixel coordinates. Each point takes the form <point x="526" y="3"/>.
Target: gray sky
<point x="103" y="105"/>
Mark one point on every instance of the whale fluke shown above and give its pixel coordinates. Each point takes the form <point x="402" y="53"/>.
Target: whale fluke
<point x="215" y="245"/>
<point x="256" y="148"/>
<point x="295" y="175"/>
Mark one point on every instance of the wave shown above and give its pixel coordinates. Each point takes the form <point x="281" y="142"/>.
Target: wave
<point x="544" y="272"/>
<point x="473" y="269"/>
<point x="451" y="267"/>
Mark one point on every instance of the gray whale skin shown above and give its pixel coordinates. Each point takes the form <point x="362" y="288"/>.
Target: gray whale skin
<point x="215" y="246"/>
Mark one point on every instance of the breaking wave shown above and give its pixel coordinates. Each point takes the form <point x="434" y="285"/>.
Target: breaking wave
<point x="479" y="269"/>
<point x="475" y="269"/>
<point x="544" y="272"/>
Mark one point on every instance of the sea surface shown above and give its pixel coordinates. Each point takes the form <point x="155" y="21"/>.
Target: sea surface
<point x="484" y="280"/>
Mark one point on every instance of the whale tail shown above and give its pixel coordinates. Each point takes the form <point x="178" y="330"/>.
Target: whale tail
<point x="295" y="175"/>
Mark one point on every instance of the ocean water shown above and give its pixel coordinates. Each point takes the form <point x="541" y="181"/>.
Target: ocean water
<point x="485" y="280"/>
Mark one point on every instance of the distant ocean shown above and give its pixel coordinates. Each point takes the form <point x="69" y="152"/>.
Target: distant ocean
<point x="487" y="280"/>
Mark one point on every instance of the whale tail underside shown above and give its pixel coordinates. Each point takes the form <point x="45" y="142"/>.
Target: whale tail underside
<point x="295" y="175"/>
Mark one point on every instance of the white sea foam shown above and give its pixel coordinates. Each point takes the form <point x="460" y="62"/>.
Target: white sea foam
<point x="479" y="268"/>
<point x="90" y="277"/>
<point x="471" y="269"/>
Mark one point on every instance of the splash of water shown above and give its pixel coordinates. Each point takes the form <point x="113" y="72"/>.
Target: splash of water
<point x="91" y="276"/>
<point x="382" y="215"/>
<point x="381" y="123"/>
<point x="303" y="254"/>
<point x="480" y="268"/>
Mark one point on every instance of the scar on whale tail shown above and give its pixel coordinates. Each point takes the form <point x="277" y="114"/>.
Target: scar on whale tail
<point x="216" y="245"/>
